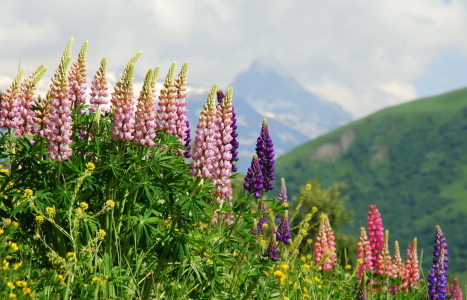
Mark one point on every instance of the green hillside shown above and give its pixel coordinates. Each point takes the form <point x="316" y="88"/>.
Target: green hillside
<point x="409" y="160"/>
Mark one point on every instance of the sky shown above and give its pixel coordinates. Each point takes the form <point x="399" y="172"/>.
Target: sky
<point x="364" y="55"/>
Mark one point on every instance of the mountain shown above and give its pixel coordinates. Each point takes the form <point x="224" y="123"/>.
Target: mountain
<point x="294" y="115"/>
<point x="410" y="160"/>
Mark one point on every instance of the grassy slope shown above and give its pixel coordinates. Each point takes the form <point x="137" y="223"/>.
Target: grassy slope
<point x="409" y="160"/>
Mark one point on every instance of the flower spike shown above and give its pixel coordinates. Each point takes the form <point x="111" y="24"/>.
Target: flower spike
<point x="9" y="103"/>
<point x="99" y="89"/>
<point x="145" y="127"/>
<point x="77" y="78"/>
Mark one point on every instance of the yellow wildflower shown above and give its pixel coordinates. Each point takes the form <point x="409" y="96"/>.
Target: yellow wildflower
<point x="110" y="203"/>
<point x="50" y="211"/>
<point x="309" y="241"/>
<point x="97" y="280"/>
<point x="90" y="166"/>
<point x="17" y="265"/>
<point x="12" y="295"/>
<point x="285" y="204"/>
<point x="279" y="273"/>
<point x="305" y="266"/>
<point x="286" y="298"/>
<point x="348" y="267"/>
<point x="6" y="265"/>
<point x="296" y="286"/>
<point x="284" y="266"/>
<point x="39" y="219"/>
<point x="6" y="171"/>
<point x="317" y="279"/>
<point x="303" y="258"/>
<point x="308" y="187"/>
<point x="10" y="183"/>
<point x="21" y="283"/>
<point x="79" y="212"/>
<point x="101" y="234"/>
<point x="265" y="225"/>
<point x="2" y="231"/>
<point x="11" y="285"/>
<point x="71" y="256"/>
<point x="27" y="291"/>
<point x="84" y="205"/>
<point x="308" y="256"/>
<point x="60" y="278"/>
<point x="28" y="192"/>
<point x="14" y="246"/>
<point x="209" y="261"/>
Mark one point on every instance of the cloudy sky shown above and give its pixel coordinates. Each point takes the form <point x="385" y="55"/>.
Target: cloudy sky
<point x="364" y="55"/>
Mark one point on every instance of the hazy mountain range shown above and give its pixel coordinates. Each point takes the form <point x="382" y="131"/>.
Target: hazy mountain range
<point x="294" y="115"/>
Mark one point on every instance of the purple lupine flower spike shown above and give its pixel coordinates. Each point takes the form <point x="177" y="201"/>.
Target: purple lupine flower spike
<point x="271" y="252"/>
<point x="10" y="108"/>
<point x="99" y="89"/>
<point x="265" y="151"/>
<point x="59" y="119"/>
<point x="254" y="178"/>
<point x="123" y="104"/>
<point x="437" y="278"/>
<point x="77" y="78"/>
<point x="283" y="230"/>
<point x="187" y="153"/>
<point x="145" y="127"/>
<point x="26" y="123"/>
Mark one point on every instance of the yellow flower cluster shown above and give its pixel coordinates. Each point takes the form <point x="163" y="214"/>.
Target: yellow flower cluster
<point x="6" y="171"/>
<point x="39" y="219"/>
<point x="282" y="277"/>
<point x="90" y="166"/>
<point x="28" y="193"/>
<point x="71" y="256"/>
<point x="101" y="234"/>
<point x="50" y="211"/>
<point x="84" y="206"/>
<point x="110" y="203"/>
<point x="97" y="280"/>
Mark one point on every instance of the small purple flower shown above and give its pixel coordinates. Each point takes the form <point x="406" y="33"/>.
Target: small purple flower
<point x="265" y="151"/>
<point x="283" y="231"/>
<point x="254" y="178"/>
<point x="438" y="274"/>
<point x="271" y="252"/>
<point x="187" y="153"/>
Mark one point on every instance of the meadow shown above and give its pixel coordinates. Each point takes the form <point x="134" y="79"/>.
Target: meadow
<point x="106" y="196"/>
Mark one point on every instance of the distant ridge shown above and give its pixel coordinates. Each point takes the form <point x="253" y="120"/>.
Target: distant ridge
<point x="410" y="160"/>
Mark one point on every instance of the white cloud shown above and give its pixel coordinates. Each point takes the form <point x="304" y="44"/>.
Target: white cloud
<point x="361" y="54"/>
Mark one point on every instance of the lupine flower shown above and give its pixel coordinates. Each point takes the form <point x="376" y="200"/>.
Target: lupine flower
<point x="260" y="226"/>
<point x="283" y="230"/>
<point x="167" y="106"/>
<point x="438" y="274"/>
<point x="77" y="78"/>
<point x="99" y="89"/>
<point x="456" y="291"/>
<point x="145" y="127"/>
<point x="41" y="120"/>
<point x="363" y="253"/>
<point x="9" y="103"/>
<point x="205" y="146"/>
<point x="283" y="192"/>
<point x="234" y="134"/>
<point x="123" y="104"/>
<point x="411" y="271"/>
<point x="254" y="178"/>
<point x="182" y="124"/>
<point x="375" y="233"/>
<point x="398" y="264"/>
<point x="361" y="295"/>
<point x="325" y="246"/>
<point x="221" y="177"/>
<point x="25" y="121"/>
<point x="384" y="264"/>
<point x="271" y="252"/>
<point x="59" y="121"/>
<point x="265" y="152"/>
